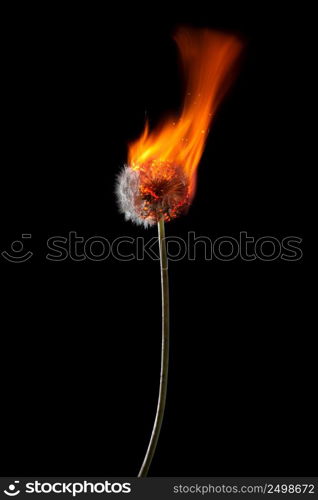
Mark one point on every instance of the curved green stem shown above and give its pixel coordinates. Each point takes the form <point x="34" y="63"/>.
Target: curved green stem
<point x="164" y="352"/>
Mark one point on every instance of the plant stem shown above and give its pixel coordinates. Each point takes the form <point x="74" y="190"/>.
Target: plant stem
<point x="164" y="352"/>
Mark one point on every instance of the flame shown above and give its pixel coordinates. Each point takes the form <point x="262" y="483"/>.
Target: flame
<point x="208" y="58"/>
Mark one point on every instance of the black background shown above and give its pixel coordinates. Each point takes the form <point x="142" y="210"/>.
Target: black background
<point x="81" y="340"/>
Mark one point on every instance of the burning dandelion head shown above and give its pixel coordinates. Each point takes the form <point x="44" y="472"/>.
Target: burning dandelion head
<point x="152" y="191"/>
<point x="159" y="181"/>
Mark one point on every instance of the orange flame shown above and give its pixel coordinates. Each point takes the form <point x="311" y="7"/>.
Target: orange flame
<point x="208" y="58"/>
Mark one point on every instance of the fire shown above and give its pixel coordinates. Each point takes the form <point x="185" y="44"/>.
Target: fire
<point x="166" y="159"/>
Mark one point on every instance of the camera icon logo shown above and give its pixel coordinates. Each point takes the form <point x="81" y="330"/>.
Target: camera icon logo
<point x="12" y="489"/>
